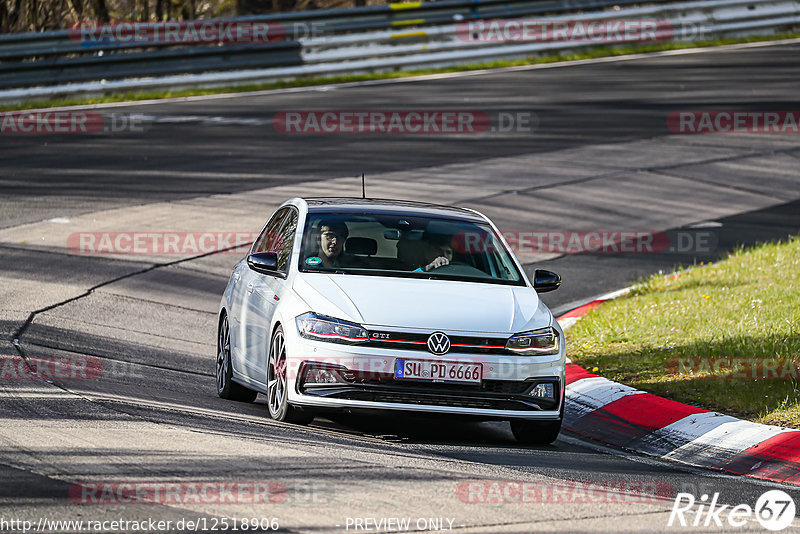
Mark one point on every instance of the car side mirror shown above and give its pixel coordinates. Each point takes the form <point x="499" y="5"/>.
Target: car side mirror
<point x="263" y="262"/>
<point x="544" y="281"/>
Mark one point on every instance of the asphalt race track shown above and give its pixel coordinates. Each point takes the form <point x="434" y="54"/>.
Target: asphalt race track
<point x="599" y="157"/>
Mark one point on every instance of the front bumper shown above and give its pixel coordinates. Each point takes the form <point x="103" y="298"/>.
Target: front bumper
<point x="503" y="394"/>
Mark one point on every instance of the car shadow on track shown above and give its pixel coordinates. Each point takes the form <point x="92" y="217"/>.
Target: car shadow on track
<point x="421" y="429"/>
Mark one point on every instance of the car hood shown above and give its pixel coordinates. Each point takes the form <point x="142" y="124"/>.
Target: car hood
<point x="423" y="304"/>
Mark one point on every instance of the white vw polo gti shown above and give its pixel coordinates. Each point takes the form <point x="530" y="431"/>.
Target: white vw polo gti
<point x="349" y="304"/>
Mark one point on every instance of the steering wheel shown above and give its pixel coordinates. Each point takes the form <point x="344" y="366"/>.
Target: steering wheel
<point x="448" y="264"/>
<point x="458" y="267"/>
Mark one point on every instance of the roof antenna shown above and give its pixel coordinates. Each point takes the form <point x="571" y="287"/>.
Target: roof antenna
<point x="363" y="187"/>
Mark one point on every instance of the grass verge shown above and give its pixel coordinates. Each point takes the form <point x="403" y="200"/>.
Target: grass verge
<point x="679" y="337"/>
<point x="304" y="82"/>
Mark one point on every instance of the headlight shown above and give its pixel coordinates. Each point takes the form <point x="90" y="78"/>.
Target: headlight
<point x="313" y="326"/>
<point x="536" y="342"/>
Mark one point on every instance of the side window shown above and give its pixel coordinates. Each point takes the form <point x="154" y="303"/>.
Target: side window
<point x="278" y="236"/>
<point x="267" y="240"/>
<point x="287" y="239"/>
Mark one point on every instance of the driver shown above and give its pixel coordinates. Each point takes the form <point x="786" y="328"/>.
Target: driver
<point x="440" y="253"/>
<point x="332" y="235"/>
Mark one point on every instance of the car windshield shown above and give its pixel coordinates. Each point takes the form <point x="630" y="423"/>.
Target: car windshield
<point x="406" y="245"/>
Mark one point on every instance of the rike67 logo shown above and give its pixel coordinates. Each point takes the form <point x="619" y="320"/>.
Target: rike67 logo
<point x="774" y="510"/>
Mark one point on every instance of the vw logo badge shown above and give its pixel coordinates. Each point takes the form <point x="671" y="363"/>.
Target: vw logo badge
<point x="439" y="343"/>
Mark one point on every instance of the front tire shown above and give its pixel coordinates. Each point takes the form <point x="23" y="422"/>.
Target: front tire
<point x="226" y="387"/>
<point x="535" y="432"/>
<point x="277" y="385"/>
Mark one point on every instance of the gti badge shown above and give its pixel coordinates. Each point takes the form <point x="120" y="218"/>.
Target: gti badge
<point x="439" y="343"/>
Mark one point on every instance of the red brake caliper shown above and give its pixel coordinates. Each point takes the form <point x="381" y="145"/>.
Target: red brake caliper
<point x="281" y="370"/>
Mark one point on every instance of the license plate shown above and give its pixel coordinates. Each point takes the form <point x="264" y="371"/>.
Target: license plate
<point x="438" y="371"/>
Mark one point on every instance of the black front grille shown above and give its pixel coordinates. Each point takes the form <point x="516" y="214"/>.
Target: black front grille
<point x="491" y="394"/>
<point x="511" y="387"/>
<point x="422" y="399"/>
<point x="506" y="386"/>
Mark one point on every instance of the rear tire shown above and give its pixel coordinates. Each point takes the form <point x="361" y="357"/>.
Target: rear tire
<point x="277" y="385"/>
<point x="226" y="387"/>
<point x="535" y="432"/>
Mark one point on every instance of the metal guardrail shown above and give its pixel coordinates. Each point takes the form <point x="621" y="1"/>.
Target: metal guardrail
<point x="333" y="20"/>
<point x="391" y="37"/>
<point x="67" y="70"/>
<point x="687" y="21"/>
